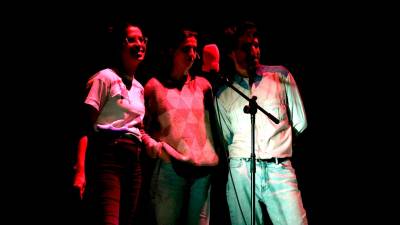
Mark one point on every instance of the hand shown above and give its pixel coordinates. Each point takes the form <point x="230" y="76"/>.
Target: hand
<point x="162" y="154"/>
<point x="153" y="148"/>
<point x="80" y="182"/>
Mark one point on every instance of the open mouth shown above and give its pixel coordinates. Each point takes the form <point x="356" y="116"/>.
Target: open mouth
<point x="137" y="52"/>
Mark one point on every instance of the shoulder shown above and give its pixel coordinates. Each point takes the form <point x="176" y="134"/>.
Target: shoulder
<point x="152" y="86"/>
<point x="105" y="75"/>
<point x="153" y="82"/>
<point x="224" y="95"/>
<point x="201" y="79"/>
<point x="221" y="90"/>
<point x="103" y="78"/>
<point x="202" y="82"/>
<point x="265" y="69"/>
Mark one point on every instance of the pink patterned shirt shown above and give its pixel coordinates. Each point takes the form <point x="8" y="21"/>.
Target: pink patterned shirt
<point x="179" y="117"/>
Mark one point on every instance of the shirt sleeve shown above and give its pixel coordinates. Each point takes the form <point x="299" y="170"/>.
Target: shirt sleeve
<point x="297" y="114"/>
<point x="97" y="93"/>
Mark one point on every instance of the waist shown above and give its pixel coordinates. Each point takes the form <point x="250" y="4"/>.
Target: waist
<point x="270" y="160"/>
<point x="127" y="139"/>
<point x="117" y="137"/>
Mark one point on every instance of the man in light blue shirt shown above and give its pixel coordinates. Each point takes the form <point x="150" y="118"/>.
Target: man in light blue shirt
<point x="277" y="93"/>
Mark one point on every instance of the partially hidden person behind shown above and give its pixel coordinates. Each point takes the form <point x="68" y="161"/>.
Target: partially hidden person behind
<point x="179" y="136"/>
<point x="276" y="90"/>
<point x="109" y="149"/>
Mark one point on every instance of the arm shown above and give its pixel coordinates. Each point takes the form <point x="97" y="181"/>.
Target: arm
<point x="79" y="181"/>
<point x="80" y="178"/>
<point x="153" y="148"/>
<point x="297" y="114"/>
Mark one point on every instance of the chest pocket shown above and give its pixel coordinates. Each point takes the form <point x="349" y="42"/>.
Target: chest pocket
<point x="278" y="110"/>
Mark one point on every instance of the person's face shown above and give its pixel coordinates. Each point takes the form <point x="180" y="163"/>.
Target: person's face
<point x="247" y="54"/>
<point x="186" y="53"/>
<point x="135" y="44"/>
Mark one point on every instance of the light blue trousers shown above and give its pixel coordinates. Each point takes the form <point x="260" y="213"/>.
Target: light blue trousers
<point x="173" y="194"/>
<point x="276" y="187"/>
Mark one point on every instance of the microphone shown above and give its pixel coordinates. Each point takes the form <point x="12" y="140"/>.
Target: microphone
<point x="210" y="59"/>
<point x="210" y="66"/>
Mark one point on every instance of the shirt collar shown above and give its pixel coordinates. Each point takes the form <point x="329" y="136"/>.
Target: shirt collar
<point x="244" y="81"/>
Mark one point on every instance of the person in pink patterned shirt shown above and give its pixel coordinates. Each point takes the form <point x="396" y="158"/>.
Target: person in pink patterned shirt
<point x="178" y="107"/>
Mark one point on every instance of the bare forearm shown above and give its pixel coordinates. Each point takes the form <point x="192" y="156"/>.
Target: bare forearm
<point x="81" y="153"/>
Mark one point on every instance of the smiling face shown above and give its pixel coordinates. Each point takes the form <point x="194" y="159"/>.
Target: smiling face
<point x="135" y="44"/>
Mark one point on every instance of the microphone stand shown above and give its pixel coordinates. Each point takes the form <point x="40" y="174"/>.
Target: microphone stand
<point x="252" y="110"/>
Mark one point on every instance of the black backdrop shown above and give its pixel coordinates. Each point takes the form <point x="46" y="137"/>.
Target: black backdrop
<point x="72" y="42"/>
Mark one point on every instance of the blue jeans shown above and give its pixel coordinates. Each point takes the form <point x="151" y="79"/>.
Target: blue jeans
<point x="276" y="188"/>
<point x="178" y="198"/>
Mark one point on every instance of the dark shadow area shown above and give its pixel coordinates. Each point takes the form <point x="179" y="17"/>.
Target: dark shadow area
<point x="75" y="50"/>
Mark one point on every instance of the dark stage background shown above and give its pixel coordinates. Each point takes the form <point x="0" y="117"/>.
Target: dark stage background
<point x="73" y="43"/>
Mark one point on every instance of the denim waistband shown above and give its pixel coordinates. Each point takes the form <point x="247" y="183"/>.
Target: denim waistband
<point x="270" y="160"/>
<point x="117" y="137"/>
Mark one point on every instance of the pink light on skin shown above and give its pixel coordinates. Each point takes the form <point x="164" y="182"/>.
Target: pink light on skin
<point x="210" y="58"/>
<point x="184" y="58"/>
<point x="134" y="49"/>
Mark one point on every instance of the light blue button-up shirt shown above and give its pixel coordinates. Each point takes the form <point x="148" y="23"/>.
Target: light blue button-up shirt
<point x="277" y="93"/>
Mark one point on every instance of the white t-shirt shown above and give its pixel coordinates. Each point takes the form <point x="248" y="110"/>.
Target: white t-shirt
<point x="120" y="109"/>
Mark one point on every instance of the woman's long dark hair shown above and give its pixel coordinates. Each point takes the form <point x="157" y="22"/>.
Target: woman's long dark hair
<point x="168" y="47"/>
